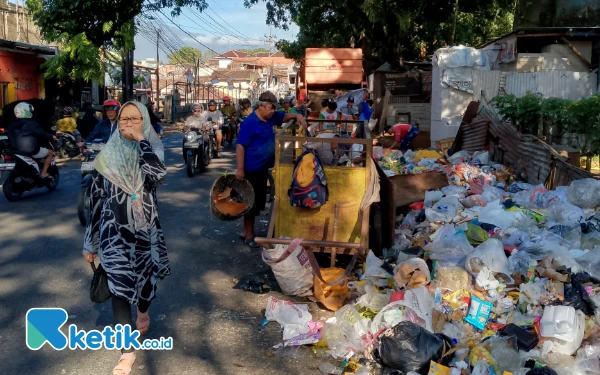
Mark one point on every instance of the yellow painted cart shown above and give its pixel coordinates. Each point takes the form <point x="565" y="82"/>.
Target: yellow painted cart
<point x="340" y="225"/>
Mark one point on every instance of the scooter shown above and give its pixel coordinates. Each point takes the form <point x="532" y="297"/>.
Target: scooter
<point x="230" y="126"/>
<point x="7" y="162"/>
<point x="197" y="148"/>
<point x="66" y="144"/>
<point x="25" y="176"/>
<point x="87" y="174"/>
<point x="216" y="125"/>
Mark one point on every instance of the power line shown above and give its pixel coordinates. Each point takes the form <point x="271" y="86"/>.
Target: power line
<point x="239" y="32"/>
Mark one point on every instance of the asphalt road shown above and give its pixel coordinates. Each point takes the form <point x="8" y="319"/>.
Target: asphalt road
<point x="216" y="329"/>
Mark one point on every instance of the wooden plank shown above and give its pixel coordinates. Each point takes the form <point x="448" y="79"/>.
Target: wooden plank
<point x="287" y="241"/>
<point x="411" y="188"/>
<point x="576" y="51"/>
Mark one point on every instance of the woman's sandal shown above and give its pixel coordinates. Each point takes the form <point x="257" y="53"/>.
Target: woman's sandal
<point x="142" y="322"/>
<point x="125" y="364"/>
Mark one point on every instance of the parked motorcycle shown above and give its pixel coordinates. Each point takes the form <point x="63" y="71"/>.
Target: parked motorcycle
<point x="87" y="174"/>
<point x="25" y="176"/>
<point x="7" y="162"/>
<point x="66" y="144"/>
<point x="197" y="148"/>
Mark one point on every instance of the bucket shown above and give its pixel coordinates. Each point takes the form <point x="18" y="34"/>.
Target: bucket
<point x="239" y="202"/>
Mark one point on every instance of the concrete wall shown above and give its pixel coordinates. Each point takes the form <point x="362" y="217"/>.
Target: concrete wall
<point x="420" y="113"/>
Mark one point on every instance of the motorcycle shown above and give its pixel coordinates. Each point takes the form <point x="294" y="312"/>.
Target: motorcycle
<point x="66" y="144"/>
<point x="87" y="174"/>
<point x="213" y="136"/>
<point x="197" y="148"/>
<point x="230" y="127"/>
<point x="25" y="176"/>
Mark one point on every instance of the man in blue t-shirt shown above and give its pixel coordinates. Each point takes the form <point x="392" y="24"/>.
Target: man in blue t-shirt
<point x="255" y="154"/>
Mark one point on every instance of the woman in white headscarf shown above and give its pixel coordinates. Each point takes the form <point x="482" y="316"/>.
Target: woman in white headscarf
<point x="123" y="226"/>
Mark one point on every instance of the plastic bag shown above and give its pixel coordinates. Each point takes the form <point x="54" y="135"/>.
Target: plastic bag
<point x="476" y="234"/>
<point x="432" y="196"/>
<point x="456" y="191"/>
<point x="493" y="213"/>
<point x="450" y="250"/>
<point x="293" y="273"/>
<point x="408" y="347"/>
<point x="345" y="332"/>
<point x="410" y="221"/>
<point x="481" y="158"/>
<point x="419" y="304"/>
<point x="489" y="254"/>
<point x="452" y="278"/>
<point x="584" y="193"/>
<point x="292" y="318"/>
<point x="576" y="295"/>
<point x="373" y="267"/>
<point x="412" y="273"/>
<point x="444" y="210"/>
<point x="590" y="262"/>
<point x="459" y="157"/>
<point x="491" y="193"/>
<point x="566" y="214"/>
<point x="474" y="201"/>
<point x="332" y="297"/>
<point x="505" y="353"/>
<point x="516" y="238"/>
<point x="520" y="262"/>
<point x="375" y="301"/>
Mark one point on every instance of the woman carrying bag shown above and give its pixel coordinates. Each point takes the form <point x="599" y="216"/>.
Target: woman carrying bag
<point x="123" y="227"/>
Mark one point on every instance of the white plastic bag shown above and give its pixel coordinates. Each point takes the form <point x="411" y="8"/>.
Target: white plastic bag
<point x="584" y="193"/>
<point x="489" y="254"/>
<point x="291" y="268"/>
<point x="493" y="213"/>
<point x="444" y="210"/>
<point x="449" y="249"/>
<point x="292" y="318"/>
<point x="431" y="197"/>
<point x="346" y="332"/>
<point x="419" y="304"/>
<point x="566" y="213"/>
<point x="373" y="267"/>
<point x="457" y="191"/>
<point x="481" y="158"/>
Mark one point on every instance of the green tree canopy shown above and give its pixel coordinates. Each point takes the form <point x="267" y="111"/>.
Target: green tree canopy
<point x="254" y="51"/>
<point x="185" y="56"/>
<point x="91" y="34"/>
<point x="388" y="30"/>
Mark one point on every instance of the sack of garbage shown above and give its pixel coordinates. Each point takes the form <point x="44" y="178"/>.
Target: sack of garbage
<point x="449" y="248"/>
<point x="294" y="277"/>
<point x="408" y="347"/>
<point x="584" y="193"/>
<point x="566" y="213"/>
<point x="412" y="273"/>
<point x="444" y="210"/>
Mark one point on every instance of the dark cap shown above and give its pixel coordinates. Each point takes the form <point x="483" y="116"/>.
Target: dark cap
<point x="351" y="99"/>
<point x="267" y="96"/>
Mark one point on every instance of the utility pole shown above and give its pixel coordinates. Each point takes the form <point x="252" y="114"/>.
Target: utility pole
<point x="157" y="72"/>
<point x="127" y="74"/>
<point x="269" y="39"/>
<point x="454" y="24"/>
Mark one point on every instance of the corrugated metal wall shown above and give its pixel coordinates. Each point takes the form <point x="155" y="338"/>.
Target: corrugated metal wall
<point x="566" y="85"/>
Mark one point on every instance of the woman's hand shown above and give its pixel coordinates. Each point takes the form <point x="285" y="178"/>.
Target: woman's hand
<point x="132" y="133"/>
<point x="89" y="257"/>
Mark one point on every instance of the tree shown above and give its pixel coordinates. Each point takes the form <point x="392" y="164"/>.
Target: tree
<point x="185" y="56"/>
<point x="93" y="33"/>
<point x="254" y="51"/>
<point x="388" y="30"/>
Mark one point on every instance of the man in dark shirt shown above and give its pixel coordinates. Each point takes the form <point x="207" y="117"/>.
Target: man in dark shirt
<point x="28" y="138"/>
<point x="255" y="154"/>
<point x="106" y="127"/>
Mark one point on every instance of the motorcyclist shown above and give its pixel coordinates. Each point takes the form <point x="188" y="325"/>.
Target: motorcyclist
<point x="106" y="127"/>
<point x="245" y="108"/>
<point x="154" y="120"/>
<point x="28" y="138"/>
<point x="217" y="118"/>
<point x="195" y="120"/>
<point x="67" y="123"/>
<point x="230" y="111"/>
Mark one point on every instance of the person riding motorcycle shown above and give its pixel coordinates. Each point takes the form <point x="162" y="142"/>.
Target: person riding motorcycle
<point x="245" y="109"/>
<point x="67" y="123"/>
<point x="228" y="109"/>
<point x="106" y="127"/>
<point x="28" y="138"/>
<point x="195" y="120"/>
<point x="217" y="117"/>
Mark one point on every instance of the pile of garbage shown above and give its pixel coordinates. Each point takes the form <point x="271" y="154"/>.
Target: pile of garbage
<point x="487" y="276"/>
<point x="395" y="162"/>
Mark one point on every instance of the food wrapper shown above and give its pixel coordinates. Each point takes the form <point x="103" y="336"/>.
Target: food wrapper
<point x="479" y="312"/>
<point x="458" y="300"/>
<point x="479" y="353"/>
<point x="437" y="369"/>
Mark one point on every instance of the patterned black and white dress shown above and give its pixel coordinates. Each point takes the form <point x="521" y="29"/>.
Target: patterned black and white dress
<point x="131" y="258"/>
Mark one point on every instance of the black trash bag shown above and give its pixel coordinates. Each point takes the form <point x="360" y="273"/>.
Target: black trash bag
<point x="541" y="371"/>
<point x="409" y="347"/>
<point x="421" y="217"/>
<point x="577" y="296"/>
<point x="508" y="204"/>
<point x="487" y="226"/>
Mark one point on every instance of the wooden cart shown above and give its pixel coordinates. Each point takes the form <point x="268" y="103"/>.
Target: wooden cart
<point x="340" y="225"/>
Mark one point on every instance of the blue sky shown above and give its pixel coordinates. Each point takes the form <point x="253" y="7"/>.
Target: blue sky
<point x="248" y="29"/>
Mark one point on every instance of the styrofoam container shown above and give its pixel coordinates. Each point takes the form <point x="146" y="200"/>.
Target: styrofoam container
<point x="559" y="322"/>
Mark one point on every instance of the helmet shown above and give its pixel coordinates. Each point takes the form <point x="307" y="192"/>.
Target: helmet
<point x="111" y="103"/>
<point x="226" y="98"/>
<point x="212" y="102"/>
<point x="350" y="99"/>
<point x="23" y="110"/>
<point x="196" y="106"/>
<point x="67" y="111"/>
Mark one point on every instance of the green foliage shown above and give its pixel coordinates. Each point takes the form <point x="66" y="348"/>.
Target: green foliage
<point x="89" y="32"/>
<point x="580" y="117"/>
<point x="524" y="113"/>
<point x="388" y="30"/>
<point x="185" y="56"/>
<point x="254" y="51"/>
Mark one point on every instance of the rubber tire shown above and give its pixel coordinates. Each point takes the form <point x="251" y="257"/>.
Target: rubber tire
<point x="201" y="163"/>
<point x="7" y="189"/>
<point x="53" y="171"/>
<point x="62" y="153"/>
<point x="215" y="153"/>
<point x="190" y="167"/>
<point x="82" y="212"/>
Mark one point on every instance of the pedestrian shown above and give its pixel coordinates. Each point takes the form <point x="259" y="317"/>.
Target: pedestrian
<point x="403" y="135"/>
<point x="255" y="154"/>
<point x="123" y="226"/>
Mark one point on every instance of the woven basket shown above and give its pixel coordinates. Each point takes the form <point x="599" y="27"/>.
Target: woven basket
<point x="239" y="189"/>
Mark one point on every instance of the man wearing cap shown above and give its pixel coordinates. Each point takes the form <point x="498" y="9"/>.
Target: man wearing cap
<point x="285" y="106"/>
<point x="215" y="117"/>
<point x="348" y="112"/>
<point x="255" y="154"/>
